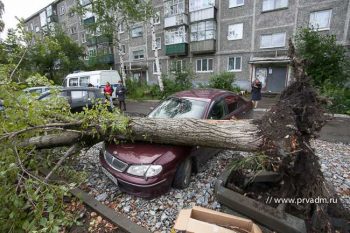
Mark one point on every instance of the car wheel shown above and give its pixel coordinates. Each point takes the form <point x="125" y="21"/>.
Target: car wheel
<point x="183" y="174"/>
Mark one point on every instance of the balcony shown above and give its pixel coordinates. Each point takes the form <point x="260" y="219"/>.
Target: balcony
<point x="176" y="49"/>
<point x="204" y="46"/>
<point x="205" y="14"/>
<point x="94" y="40"/>
<point x="102" y="59"/>
<point x="175" y="20"/>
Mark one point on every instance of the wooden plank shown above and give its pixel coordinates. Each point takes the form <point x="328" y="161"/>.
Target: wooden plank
<point x="119" y="220"/>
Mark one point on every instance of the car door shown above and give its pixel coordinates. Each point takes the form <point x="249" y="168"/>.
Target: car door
<point x="217" y="111"/>
<point x="79" y="99"/>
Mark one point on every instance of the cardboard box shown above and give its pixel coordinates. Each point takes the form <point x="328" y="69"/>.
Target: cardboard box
<point x="202" y="220"/>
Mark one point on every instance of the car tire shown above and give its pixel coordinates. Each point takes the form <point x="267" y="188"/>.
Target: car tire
<point x="183" y="174"/>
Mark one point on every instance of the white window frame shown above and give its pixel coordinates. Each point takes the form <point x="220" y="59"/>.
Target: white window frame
<point x="195" y="5"/>
<point x="174" y="65"/>
<point x="123" y="48"/>
<point x="205" y="71"/>
<point x="121" y="28"/>
<point x="234" y="64"/>
<point x="316" y="27"/>
<point x="154" y="67"/>
<point x="176" y="35"/>
<point x="139" y="54"/>
<point x="272" y="35"/>
<point x="234" y="3"/>
<point x="275" y="5"/>
<point x="156" y="19"/>
<point x="73" y="29"/>
<point x="231" y="36"/>
<point x="172" y="7"/>
<point x="62" y="10"/>
<point x="92" y="52"/>
<point x="159" y="45"/>
<point x="195" y="32"/>
<point x="140" y="34"/>
<point x="83" y="37"/>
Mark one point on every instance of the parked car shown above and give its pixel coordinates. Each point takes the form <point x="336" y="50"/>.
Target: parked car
<point x="37" y="90"/>
<point x="78" y="97"/>
<point x="146" y="169"/>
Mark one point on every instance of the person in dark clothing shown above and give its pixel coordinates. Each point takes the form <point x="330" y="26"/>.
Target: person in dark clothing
<point x="256" y="92"/>
<point x="120" y="93"/>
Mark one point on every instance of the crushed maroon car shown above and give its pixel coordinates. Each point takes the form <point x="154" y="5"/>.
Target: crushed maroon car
<point x="146" y="169"/>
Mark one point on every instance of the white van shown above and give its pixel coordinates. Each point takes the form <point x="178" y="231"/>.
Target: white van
<point x="97" y="78"/>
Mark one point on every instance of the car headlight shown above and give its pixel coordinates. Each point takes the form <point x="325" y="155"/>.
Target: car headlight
<point x="145" y="170"/>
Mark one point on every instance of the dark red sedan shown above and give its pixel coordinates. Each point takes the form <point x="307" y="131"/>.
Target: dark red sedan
<point x="148" y="170"/>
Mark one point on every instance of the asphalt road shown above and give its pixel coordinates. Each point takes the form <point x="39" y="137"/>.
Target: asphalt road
<point x="336" y="129"/>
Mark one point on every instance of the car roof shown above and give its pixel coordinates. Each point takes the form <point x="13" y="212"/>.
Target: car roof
<point x="79" y="88"/>
<point x="202" y="93"/>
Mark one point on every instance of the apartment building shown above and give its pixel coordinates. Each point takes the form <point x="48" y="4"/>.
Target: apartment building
<point x="246" y="37"/>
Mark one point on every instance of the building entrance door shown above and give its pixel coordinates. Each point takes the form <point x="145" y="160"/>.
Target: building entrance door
<point x="276" y="79"/>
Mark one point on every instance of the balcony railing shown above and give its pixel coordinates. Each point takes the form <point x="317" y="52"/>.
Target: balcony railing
<point x="204" y="46"/>
<point x="205" y="14"/>
<point x="102" y="59"/>
<point x="176" y="20"/>
<point x="176" y="49"/>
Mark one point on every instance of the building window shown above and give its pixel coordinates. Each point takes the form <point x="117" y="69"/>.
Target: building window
<point x="273" y="40"/>
<point x="158" y="43"/>
<point x="236" y="3"/>
<point x="37" y="29"/>
<point x="176" y="35"/>
<point x="121" y="27"/>
<point x="196" y="5"/>
<point x="156" y="18"/>
<point x="320" y="20"/>
<point x="269" y="5"/>
<point x="174" y="7"/>
<point x="203" y="31"/>
<point x="43" y="21"/>
<point x="137" y="32"/>
<point x="204" y="65"/>
<point x="155" y="67"/>
<point x="73" y="29"/>
<point x="92" y="52"/>
<point x="123" y="48"/>
<point x="234" y="64"/>
<point x="176" y="66"/>
<point x="84" y="2"/>
<point x="138" y="55"/>
<point x="62" y="10"/>
<point x="83" y="38"/>
<point x="235" y="31"/>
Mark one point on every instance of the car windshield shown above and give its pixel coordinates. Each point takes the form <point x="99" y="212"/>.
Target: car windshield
<point x="179" y="108"/>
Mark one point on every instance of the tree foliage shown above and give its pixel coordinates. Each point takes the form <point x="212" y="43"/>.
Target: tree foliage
<point x="2" y="8"/>
<point x="328" y="66"/>
<point x="222" y="81"/>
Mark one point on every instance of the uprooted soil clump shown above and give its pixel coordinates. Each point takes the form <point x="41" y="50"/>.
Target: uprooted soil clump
<point x="287" y="128"/>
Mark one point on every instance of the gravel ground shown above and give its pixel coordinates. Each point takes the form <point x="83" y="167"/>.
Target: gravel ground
<point x="158" y="215"/>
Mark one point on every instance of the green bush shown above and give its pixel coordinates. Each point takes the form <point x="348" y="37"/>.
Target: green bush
<point x="222" y="81"/>
<point x="328" y="66"/>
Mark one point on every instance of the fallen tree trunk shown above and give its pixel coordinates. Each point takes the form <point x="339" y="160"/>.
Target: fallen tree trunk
<point x="238" y="135"/>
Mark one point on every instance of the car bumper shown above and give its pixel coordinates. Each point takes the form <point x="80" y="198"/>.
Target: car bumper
<point x="137" y="186"/>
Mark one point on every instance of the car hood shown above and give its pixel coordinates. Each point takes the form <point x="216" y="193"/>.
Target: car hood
<point x="143" y="153"/>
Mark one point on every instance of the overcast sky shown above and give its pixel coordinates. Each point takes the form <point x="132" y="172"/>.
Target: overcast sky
<point x="21" y="9"/>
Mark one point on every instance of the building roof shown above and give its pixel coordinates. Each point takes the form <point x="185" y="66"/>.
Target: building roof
<point x="41" y="10"/>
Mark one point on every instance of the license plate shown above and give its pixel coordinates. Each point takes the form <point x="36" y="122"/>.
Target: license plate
<point x="110" y="176"/>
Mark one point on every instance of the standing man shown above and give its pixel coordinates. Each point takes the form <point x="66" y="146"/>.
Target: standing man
<point x="108" y="90"/>
<point x="256" y="92"/>
<point x="120" y="93"/>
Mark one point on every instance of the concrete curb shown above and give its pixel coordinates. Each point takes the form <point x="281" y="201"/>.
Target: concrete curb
<point x="257" y="211"/>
